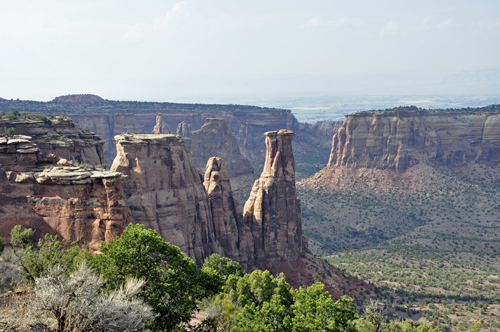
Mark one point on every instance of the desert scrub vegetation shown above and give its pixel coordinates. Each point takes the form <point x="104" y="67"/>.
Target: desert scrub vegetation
<point x="140" y="282"/>
<point x="449" y="290"/>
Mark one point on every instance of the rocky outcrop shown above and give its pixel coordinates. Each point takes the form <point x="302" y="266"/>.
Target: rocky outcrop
<point x="272" y="211"/>
<point x="109" y="118"/>
<point x="44" y="143"/>
<point x="80" y="203"/>
<point x="403" y="137"/>
<point x="215" y="139"/>
<point x="234" y="237"/>
<point x="184" y="130"/>
<point x="107" y="125"/>
<point x="161" y="127"/>
<point x="165" y="191"/>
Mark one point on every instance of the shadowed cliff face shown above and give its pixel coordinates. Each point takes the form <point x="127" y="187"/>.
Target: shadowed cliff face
<point x="235" y="238"/>
<point x="216" y="139"/>
<point x="79" y="203"/>
<point x="165" y="191"/>
<point x="401" y="138"/>
<point x="272" y="211"/>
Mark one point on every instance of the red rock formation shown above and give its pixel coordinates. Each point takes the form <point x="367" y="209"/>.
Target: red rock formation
<point x="82" y="204"/>
<point x="42" y="144"/>
<point x="215" y="139"/>
<point x="165" y="191"/>
<point x="400" y="138"/>
<point x="272" y="211"/>
<point x="233" y="237"/>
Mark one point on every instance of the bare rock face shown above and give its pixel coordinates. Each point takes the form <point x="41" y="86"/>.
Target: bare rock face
<point x="42" y="144"/>
<point x="234" y="237"/>
<point x="401" y="138"/>
<point x="184" y="130"/>
<point x="161" y="127"/>
<point x="273" y="211"/>
<point x="80" y="203"/>
<point x="216" y="139"/>
<point x="107" y="125"/>
<point x="165" y="191"/>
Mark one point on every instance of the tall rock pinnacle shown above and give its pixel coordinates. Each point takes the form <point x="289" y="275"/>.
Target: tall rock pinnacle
<point x="161" y="127"/>
<point x="272" y="211"/>
<point x="234" y="237"/>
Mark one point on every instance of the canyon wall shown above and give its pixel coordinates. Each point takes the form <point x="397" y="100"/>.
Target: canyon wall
<point x="403" y="137"/>
<point x="109" y="118"/>
<point x="272" y="211"/>
<point x="215" y="139"/>
<point x="80" y="203"/>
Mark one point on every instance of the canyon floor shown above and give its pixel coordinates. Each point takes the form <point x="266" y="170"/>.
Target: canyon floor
<point x="428" y="238"/>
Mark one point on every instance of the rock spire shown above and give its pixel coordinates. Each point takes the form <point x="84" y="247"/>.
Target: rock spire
<point x="161" y="127"/>
<point x="272" y="211"/>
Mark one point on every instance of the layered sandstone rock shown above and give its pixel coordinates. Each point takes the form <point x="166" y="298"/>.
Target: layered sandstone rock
<point x="42" y="144"/>
<point x="403" y="137"/>
<point x="234" y="237"/>
<point x="165" y="191"/>
<point x="215" y="139"/>
<point x="272" y="211"/>
<point x="161" y="127"/>
<point x="83" y="204"/>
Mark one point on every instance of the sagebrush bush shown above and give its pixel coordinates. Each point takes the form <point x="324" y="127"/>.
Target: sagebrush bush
<point x="77" y="303"/>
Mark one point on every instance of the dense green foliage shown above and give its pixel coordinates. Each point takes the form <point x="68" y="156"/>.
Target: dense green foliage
<point x="222" y="266"/>
<point x="36" y="260"/>
<point x="175" y="288"/>
<point x="173" y="282"/>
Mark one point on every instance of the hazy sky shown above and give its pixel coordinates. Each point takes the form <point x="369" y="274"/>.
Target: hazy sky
<point x="161" y="50"/>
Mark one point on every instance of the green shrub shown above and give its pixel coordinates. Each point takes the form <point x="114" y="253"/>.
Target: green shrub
<point x="14" y="115"/>
<point x="60" y="119"/>
<point x="9" y="132"/>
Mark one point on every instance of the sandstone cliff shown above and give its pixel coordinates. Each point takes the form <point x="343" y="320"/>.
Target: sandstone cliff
<point x="81" y="203"/>
<point x="273" y="211"/>
<point x="161" y="127"/>
<point x="107" y="125"/>
<point x="215" y="139"/>
<point x="42" y="143"/>
<point x="165" y="191"/>
<point x="400" y="138"/>
<point x="234" y="237"/>
<point x="109" y="118"/>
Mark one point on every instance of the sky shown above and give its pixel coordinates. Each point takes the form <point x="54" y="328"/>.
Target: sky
<point x="182" y="50"/>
